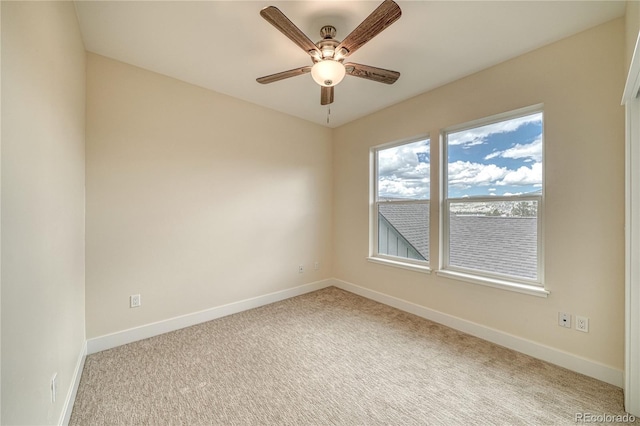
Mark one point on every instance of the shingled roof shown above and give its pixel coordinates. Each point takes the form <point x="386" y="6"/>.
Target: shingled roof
<point x="410" y="220"/>
<point x="498" y="244"/>
<point x="503" y="245"/>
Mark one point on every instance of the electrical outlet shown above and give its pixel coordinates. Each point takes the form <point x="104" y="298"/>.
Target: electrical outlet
<point x="564" y="320"/>
<point x="316" y="265"/>
<point x="54" y="387"/>
<point x="582" y="324"/>
<point x="135" y="301"/>
<point x="300" y="269"/>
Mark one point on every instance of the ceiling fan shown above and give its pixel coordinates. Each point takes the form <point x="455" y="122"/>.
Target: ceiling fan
<point x="328" y="54"/>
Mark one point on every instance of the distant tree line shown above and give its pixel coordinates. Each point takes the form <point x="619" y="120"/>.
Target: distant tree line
<point x="519" y="209"/>
<point x="524" y="209"/>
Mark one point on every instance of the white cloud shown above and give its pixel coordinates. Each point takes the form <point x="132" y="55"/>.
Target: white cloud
<point x="473" y="143"/>
<point x="401" y="174"/>
<point x="531" y="152"/>
<point x="523" y="176"/>
<point x="464" y="174"/>
<point x="478" y="135"/>
<point x="396" y="188"/>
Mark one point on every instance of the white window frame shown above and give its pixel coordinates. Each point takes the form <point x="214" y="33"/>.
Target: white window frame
<point x="374" y="255"/>
<point x="508" y="282"/>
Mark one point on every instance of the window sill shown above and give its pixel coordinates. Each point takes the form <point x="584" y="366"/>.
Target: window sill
<point x="398" y="264"/>
<point x="532" y="290"/>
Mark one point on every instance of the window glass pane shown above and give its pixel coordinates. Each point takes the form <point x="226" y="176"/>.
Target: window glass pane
<point x="503" y="159"/>
<point x="403" y="172"/>
<point x="403" y="229"/>
<point x="497" y="237"/>
<point x="402" y="200"/>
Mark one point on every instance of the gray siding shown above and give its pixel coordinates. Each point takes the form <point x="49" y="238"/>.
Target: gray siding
<point x="391" y="242"/>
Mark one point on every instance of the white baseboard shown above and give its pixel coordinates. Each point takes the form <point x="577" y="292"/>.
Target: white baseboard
<point x="546" y="353"/>
<point x="67" y="408"/>
<point x="119" y="338"/>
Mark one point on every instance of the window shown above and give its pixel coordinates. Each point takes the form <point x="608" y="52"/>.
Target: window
<point x="401" y="203"/>
<point x="492" y="201"/>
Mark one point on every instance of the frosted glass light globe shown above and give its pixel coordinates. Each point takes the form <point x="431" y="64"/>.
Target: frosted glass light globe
<point x="328" y="73"/>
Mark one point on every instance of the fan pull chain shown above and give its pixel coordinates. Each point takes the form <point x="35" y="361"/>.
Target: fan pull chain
<point x="328" y="112"/>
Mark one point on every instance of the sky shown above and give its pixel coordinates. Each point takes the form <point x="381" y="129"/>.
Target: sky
<point x="403" y="171"/>
<point x="503" y="158"/>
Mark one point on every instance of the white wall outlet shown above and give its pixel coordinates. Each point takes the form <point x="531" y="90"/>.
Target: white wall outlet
<point x="300" y="269"/>
<point x="316" y="265"/>
<point x="135" y="301"/>
<point x="54" y="387"/>
<point x="582" y="324"/>
<point x="564" y="320"/>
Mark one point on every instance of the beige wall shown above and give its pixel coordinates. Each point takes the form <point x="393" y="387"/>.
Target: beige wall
<point x="43" y="116"/>
<point x="580" y="82"/>
<point x="196" y="199"/>
<point x="632" y="25"/>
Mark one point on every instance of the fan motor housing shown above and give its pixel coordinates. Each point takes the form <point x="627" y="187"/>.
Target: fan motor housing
<point x="327" y="47"/>
<point x="328" y="44"/>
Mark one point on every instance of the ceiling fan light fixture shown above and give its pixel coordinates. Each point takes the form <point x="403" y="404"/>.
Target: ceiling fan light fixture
<point x="327" y="52"/>
<point x="328" y="72"/>
<point x="340" y="54"/>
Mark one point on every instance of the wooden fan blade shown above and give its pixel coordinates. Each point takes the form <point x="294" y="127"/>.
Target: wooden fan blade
<point x="275" y="17"/>
<point x="282" y="75"/>
<point x="384" y="15"/>
<point x="326" y="95"/>
<point x="372" y="73"/>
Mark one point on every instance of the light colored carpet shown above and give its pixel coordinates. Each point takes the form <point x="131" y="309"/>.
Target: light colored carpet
<point x="329" y="358"/>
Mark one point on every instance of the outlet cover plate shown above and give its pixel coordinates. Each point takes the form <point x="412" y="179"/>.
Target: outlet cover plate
<point x="582" y="324"/>
<point x="135" y="301"/>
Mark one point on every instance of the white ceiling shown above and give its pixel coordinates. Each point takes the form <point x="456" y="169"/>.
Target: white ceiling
<point x="225" y="45"/>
